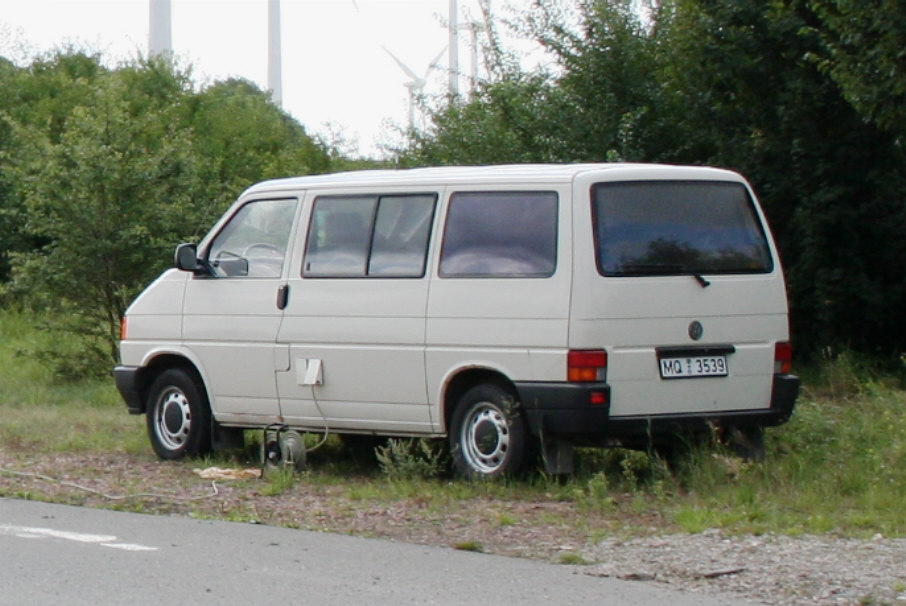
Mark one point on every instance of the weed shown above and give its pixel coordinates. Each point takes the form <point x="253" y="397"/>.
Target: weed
<point x="410" y="459"/>
<point x="694" y="520"/>
<point x="278" y="481"/>
<point x="469" y="546"/>
<point x="505" y="519"/>
<point x="598" y="488"/>
<point x="571" y="558"/>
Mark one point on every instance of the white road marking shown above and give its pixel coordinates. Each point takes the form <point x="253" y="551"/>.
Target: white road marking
<point x="104" y="540"/>
<point x="129" y="546"/>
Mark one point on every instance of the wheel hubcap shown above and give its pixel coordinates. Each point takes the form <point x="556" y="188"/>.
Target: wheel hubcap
<point x="486" y="439"/>
<point x="174" y="419"/>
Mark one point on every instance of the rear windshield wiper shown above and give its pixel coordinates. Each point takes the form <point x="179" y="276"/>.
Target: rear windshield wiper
<point x="661" y="269"/>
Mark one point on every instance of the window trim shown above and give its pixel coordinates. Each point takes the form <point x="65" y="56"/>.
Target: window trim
<point x="750" y="204"/>
<point x="204" y="254"/>
<point x="378" y="197"/>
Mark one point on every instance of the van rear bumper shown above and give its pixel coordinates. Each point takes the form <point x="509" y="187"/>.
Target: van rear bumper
<point x="563" y="410"/>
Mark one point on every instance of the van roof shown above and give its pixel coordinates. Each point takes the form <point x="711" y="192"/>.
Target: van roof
<point x="501" y="173"/>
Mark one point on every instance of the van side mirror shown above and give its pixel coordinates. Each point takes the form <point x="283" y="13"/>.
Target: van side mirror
<point x="187" y="258"/>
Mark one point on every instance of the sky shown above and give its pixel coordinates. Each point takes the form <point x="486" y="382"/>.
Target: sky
<point x="337" y="75"/>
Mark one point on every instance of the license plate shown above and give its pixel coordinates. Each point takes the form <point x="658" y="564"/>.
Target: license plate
<point x="693" y="366"/>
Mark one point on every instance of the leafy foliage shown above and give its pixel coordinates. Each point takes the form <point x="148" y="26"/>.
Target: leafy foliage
<point x="410" y="459"/>
<point x="104" y="171"/>
<point x="752" y="100"/>
<point x="863" y="53"/>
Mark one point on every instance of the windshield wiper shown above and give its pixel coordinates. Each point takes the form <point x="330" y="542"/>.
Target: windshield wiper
<point x="662" y="269"/>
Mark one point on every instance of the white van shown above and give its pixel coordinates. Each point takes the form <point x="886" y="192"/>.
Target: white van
<point x="504" y="307"/>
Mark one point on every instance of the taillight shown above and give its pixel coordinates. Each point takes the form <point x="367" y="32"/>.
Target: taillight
<point x="583" y="366"/>
<point x="783" y="358"/>
<point x="123" y="329"/>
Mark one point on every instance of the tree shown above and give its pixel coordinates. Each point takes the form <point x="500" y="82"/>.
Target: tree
<point x="40" y="95"/>
<point x="748" y="96"/>
<point x="111" y="180"/>
<point x="107" y="200"/>
<point x="863" y="52"/>
<point x="592" y="104"/>
<point x="243" y="138"/>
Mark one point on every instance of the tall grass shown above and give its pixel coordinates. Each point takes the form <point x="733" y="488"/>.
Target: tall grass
<point x="39" y="411"/>
<point x="839" y="466"/>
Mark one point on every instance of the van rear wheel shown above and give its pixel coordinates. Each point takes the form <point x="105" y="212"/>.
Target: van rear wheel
<point x="747" y="443"/>
<point x="488" y="433"/>
<point x="178" y="415"/>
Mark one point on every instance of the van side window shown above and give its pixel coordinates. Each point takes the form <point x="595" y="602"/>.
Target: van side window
<point x="677" y="227"/>
<point x="500" y="234"/>
<point x="253" y="243"/>
<point x="369" y="236"/>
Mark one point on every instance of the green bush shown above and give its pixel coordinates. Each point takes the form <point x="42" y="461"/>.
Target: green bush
<point x="411" y="459"/>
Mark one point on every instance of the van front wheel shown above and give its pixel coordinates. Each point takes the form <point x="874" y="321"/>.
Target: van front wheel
<point x="488" y="433"/>
<point x="179" y="416"/>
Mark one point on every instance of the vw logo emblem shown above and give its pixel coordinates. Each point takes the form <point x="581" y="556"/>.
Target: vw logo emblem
<point x="696" y="330"/>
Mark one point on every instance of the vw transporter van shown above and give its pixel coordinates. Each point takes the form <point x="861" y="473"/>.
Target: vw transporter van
<point x="510" y="309"/>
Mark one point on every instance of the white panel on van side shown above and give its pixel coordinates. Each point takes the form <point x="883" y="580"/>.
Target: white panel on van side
<point x="369" y="336"/>
<point x="230" y="321"/>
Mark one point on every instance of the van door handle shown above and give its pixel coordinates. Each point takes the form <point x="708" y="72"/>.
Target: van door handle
<point x="283" y="296"/>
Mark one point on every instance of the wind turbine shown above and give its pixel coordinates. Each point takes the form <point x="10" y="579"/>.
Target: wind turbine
<point x="274" y="53"/>
<point x="160" y="40"/>
<point x="453" y="45"/>
<point x="417" y="84"/>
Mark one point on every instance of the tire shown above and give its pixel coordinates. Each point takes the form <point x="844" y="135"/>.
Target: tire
<point x="747" y="443"/>
<point x="488" y="436"/>
<point x="179" y="415"/>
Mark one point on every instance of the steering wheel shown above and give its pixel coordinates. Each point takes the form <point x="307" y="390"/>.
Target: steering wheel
<point x="274" y="251"/>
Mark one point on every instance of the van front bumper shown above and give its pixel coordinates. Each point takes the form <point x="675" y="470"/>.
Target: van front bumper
<point x="564" y="410"/>
<point x="127" y="382"/>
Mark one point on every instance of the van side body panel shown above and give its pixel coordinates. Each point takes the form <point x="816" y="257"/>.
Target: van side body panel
<point x="366" y="334"/>
<point x="514" y="327"/>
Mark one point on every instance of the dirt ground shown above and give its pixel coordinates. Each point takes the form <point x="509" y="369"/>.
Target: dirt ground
<point x="627" y="541"/>
<point x="547" y="528"/>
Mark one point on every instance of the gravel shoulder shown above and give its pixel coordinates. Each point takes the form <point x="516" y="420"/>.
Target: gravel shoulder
<point x="769" y="569"/>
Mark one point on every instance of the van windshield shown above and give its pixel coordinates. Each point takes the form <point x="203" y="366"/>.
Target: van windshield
<point x="677" y="227"/>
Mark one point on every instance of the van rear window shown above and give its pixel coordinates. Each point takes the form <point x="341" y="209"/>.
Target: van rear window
<point x="677" y="227"/>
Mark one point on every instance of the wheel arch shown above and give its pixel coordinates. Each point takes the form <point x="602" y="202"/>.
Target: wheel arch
<point x="161" y="363"/>
<point x="459" y="383"/>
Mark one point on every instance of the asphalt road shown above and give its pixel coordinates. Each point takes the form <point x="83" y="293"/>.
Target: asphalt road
<point x="54" y="554"/>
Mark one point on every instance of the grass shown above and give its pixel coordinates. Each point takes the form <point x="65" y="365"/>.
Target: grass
<point x="839" y="466"/>
<point x="39" y="411"/>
